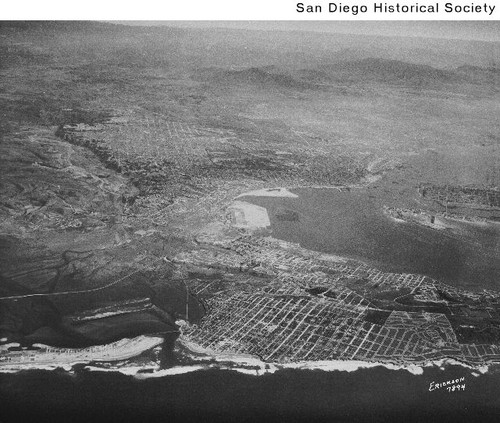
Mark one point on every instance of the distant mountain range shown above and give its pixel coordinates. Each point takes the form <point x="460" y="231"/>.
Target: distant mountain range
<point x="246" y="48"/>
<point x="364" y="71"/>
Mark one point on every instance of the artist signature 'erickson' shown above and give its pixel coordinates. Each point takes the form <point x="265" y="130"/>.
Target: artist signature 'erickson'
<point x="450" y="385"/>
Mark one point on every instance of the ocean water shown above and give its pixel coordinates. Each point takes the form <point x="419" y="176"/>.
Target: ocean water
<point x="366" y="395"/>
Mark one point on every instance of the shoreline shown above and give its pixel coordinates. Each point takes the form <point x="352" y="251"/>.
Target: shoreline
<point x="254" y="365"/>
<point x="481" y="366"/>
<point x="202" y="359"/>
<point x="243" y="363"/>
<point x="349" y="366"/>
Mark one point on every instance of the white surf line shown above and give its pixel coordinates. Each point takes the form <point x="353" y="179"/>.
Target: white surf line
<point x="84" y="291"/>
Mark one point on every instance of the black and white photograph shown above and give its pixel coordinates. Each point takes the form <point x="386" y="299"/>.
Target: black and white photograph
<point x="249" y="221"/>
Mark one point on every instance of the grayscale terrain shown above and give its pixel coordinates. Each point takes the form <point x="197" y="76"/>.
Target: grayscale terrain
<point x="177" y="199"/>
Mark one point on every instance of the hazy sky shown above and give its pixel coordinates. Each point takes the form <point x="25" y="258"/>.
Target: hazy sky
<point x="467" y="30"/>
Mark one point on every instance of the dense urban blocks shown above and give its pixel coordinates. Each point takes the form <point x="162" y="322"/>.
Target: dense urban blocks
<point x="304" y="313"/>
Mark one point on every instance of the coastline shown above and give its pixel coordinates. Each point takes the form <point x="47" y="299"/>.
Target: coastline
<point x="250" y="364"/>
<point x="202" y="359"/>
<point x="244" y="363"/>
